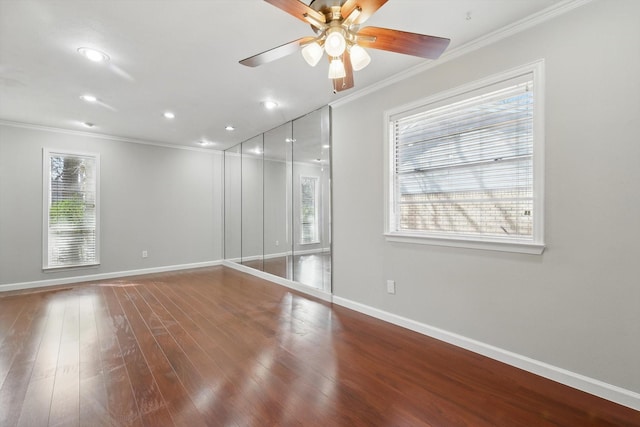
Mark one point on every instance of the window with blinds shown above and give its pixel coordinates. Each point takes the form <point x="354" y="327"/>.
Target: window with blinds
<point x="70" y="210"/>
<point x="462" y="167"/>
<point x="309" y="225"/>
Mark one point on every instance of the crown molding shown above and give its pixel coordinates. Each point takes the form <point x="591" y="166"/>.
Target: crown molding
<point x="74" y="132"/>
<point x="490" y="38"/>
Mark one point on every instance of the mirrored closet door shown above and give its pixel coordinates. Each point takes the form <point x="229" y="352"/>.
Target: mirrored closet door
<point x="278" y="188"/>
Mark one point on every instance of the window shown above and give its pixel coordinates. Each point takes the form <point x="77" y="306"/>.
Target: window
<point x="309" y="210"/>
<point x="466" y="168"/>
<point x="71" y="183"/>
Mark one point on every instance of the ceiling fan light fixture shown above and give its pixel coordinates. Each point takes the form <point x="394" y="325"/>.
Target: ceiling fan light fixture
<point x="336" y="69"/>
<point x="312" y="53"/>
<point x="359" y="57"/>
<point x="335" y="43"/>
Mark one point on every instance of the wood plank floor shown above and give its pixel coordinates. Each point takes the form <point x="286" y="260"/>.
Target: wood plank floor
<point x="216" y="347"/>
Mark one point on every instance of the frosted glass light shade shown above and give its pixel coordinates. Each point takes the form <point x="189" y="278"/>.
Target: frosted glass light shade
<point x="359" y="57"/>
<point x="312" y="53"/>
<point x="336" y="69"/>
<point x="335" y="44"/>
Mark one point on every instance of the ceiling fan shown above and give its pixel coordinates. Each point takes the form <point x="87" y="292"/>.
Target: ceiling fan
<point x="338" y="33"/>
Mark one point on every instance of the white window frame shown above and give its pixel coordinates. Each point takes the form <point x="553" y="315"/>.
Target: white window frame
<point x="46" y="193"/>
<point x="316" y="205"/>
<point x="529" y="246"/>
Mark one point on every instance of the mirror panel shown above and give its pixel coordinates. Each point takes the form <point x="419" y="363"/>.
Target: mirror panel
<point x="311" y="200"/>
<point x="232" y="204"/>
<point x="252" y="203"/>
<point x="277" y="201"/>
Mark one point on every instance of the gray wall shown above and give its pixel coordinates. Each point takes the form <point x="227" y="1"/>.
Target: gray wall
<point x="252" y="205"/>
<point x="166" y="201"/>
<point x="577" y="306"/>
<point x="277" y="222"/>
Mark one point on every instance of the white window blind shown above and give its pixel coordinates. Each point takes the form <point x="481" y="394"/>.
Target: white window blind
<point x="70" y="209"/>
<point x="309" y="210"/>
<point x="464" y="168"/>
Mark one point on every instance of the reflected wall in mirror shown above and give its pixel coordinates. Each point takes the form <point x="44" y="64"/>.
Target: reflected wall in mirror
<point x="281" y="182"/>
<point x="232" y="204"/>
<point x="277" y="201"/>
<point x="252" y="203"/>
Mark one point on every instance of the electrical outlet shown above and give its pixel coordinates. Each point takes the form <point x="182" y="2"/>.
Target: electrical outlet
<point x="391" y="286"/>
<point x="145" y="254"/>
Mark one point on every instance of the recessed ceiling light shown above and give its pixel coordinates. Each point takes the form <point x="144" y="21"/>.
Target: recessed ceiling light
<point x="290" y="140"/>
<point x="325" y="146"/>
<point x="88" y="124"/>
<point x="88" y="98"/>
<point x="205" y="143"/>
<point x="269" y="105"/>
<point x="229" y="128"/>
<point x="169" y="115"/>
<point x="93" y="54"/>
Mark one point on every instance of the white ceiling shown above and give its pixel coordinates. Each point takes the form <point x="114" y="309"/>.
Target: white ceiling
<point x="182" y="55"/>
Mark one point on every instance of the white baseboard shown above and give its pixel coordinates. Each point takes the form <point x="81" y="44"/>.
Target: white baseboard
<point x="103" y="276"/>
<point x="308" y="290"/>
<point x="313" y="251"/>
<point x="279" y="255"/>
<point x="589" y="385"/>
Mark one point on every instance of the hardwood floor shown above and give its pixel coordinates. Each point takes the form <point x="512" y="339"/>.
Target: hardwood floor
<point x="221" y="348"/>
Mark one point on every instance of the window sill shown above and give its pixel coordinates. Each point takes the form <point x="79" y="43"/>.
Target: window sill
<point x="70" y="267"/>
<point x="469" y="243"/>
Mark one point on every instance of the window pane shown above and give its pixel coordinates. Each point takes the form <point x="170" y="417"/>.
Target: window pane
<point x="71" y="210"/>
<point x="466" y="168"/>
<point x="308" y="210"/>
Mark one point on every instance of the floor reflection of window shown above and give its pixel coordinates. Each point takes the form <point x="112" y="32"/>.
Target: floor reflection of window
<point x="309" y="210"/>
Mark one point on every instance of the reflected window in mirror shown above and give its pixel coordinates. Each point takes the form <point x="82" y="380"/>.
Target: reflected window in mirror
<point x="309" y="227"/>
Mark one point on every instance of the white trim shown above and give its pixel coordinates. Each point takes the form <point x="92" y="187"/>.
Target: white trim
<point x="598" y="388"/>
<point x="536" y="246"/>
<point x="493" y="37"/>
<point x="305" y="289"/>
<point x="280" y="254"/>
<point x="102" y="276"/>
<point x="277" y="255"/>
<point x="469" y="243"/>
<point x="46" y="192"/>
<point x="311" y="251"/>
<point x="31" y="126"/>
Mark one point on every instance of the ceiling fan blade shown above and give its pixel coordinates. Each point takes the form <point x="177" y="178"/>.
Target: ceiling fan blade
<point x="298" y="9"/>
<point x="369" y="7"/>
<point x="345" y="82"/>
<point x="429" y="47"/>
<point x="276" y="53"/>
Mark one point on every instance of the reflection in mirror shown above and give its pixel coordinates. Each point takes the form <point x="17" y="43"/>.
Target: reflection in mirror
<point x="312" y="200"/>
<point x="232" y="204"/>
<point x="252" y="202"/>
<point x="277" y="201"/>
